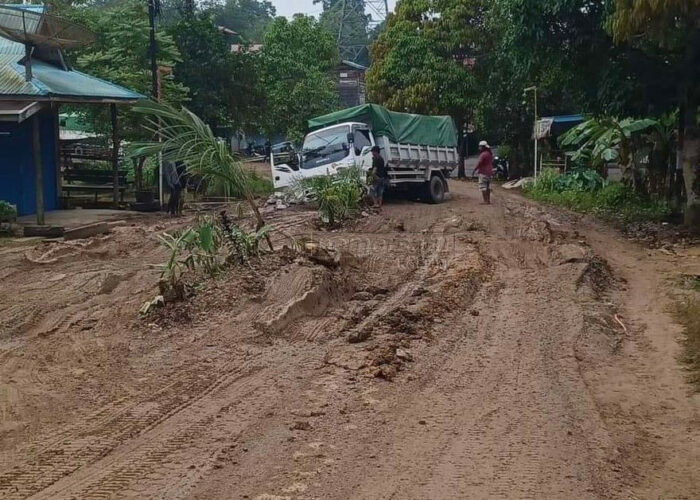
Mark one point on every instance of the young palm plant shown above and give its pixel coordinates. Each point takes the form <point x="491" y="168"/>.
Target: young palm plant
<point x="186" y="139"/>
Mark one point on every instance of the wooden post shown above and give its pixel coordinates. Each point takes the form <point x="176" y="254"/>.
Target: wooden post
<point x="115" y="152"/>
<point x="57" y="149"/>
<point x="38" y="169"/>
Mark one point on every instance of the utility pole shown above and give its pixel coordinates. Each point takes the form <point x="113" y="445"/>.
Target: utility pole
<point x="533" y="89"/>
<point x="153" y="11"/>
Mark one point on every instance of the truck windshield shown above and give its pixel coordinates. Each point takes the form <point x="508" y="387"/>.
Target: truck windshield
<point x="324" y="147"/>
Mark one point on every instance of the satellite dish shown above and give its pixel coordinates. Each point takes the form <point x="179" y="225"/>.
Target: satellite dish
<point x="41" y="34"/>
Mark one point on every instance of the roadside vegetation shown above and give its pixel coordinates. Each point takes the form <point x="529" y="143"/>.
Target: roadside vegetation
<point x="586" y="191"/>
<point x="337" y="197"/>
<point x="204" y="250"/>
<point x="8" y="212"/>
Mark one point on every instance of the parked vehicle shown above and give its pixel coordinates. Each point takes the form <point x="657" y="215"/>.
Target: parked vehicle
<point x="500" y="168"/>
<point x="420" y="151"/>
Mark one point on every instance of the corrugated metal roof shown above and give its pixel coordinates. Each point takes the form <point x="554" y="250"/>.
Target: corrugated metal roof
<point x="77" y="84"/>
<point x="49" y="81"/>
<point x="55" y="83"/>
<point x="9" y="19"/>
<point x="52" y="82"/>
<point x="12" y="81"/>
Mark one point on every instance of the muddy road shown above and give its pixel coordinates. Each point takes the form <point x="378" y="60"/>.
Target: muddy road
<point x="456" y="351"/>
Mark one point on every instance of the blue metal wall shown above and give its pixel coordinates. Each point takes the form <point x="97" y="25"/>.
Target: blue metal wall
<point x="17" y="164"/>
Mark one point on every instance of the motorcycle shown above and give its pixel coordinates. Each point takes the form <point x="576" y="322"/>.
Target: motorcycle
<point x="500" y="169"/>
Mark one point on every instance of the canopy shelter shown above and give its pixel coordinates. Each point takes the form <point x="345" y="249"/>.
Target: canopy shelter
<point x="31" y="91"/>
<point x="554" y="126"/>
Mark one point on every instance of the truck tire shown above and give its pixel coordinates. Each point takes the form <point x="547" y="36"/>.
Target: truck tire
<point x="436" y="190"/>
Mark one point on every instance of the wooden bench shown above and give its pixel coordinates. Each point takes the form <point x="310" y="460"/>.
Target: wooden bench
<point x="93" y="180"/>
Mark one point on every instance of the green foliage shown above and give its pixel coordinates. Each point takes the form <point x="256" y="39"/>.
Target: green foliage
<point x="186" y="138"/>
<point x="7" y="211"/>
<point x="121" y="56"/>
<point x="663" y="22"/>
<point x="205" y="245"/>
<point x="246" y="244"/>
<point x="242" y="244"/>
<point x="586" y="191"/>
<point x="295" y="65"/>
<point x="178" y="260"/>
<point x="222" y="86"/>
<point x="194" y="248"/>
<point x="413" y="67"/>
<point x="249" y="18"/>
<point x="337" y="197"/>
<point x="603" y="140"/>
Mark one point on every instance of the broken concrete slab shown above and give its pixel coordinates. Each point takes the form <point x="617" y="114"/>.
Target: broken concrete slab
<point x="43" y="231"/>
<point x="87" y="231"/>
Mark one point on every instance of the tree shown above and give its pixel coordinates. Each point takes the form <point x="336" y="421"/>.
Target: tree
<point x="421" y="61"/>
<point x="674" y="26"/>
<point x="121" y="56"/>
<point x="223" y="86"/>
<point x="295" y="64"/>
<point x="249" y="18"/>
<point x="414" y="66"/>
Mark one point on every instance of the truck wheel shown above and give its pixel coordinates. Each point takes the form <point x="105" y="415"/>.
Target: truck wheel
<point x="436" y="190"/>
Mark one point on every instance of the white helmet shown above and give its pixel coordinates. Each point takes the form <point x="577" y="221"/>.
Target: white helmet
<point x="484" y="144"/>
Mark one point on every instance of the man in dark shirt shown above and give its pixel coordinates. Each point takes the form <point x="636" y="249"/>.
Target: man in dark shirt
<point x="381" y="177"/>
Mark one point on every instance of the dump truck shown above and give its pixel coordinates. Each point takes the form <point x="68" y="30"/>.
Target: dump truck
<point x="420" y="151"/>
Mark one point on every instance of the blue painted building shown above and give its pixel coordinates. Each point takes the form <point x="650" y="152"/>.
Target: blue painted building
<point x="29" y="104"/>
<point x="17" y="179"/>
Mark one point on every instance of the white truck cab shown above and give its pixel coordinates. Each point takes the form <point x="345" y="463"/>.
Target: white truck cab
<point x="324" y="152"/>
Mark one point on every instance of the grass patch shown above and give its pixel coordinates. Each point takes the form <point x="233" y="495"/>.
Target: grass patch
<point x="585" y="191"/>
<point x="688" y="314"/>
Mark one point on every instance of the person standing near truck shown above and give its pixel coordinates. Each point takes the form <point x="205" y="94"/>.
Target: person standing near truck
<point x="380" y="175"/>
<point x="484" y="168"/>
<point x="172" y="177"/>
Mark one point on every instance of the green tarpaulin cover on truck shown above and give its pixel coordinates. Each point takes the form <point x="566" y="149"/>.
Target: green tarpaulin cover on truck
<point x="404" y="128"/>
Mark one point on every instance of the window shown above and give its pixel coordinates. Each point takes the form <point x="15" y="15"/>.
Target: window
<point x="324" y="147"/>
<point x="361" y="140"/>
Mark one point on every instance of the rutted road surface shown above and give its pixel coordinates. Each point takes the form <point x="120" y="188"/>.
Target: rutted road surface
<point x="507" y="351"/>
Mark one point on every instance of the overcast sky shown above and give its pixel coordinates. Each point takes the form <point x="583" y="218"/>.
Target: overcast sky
<point x="290" y="7"/>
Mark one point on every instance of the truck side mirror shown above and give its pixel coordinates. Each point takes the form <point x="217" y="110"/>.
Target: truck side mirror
<point x="351" y="138"/>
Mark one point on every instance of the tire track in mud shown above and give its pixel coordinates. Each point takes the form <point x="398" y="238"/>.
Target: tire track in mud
<point x="158" y="452"/>
<point x="89" y="441"/>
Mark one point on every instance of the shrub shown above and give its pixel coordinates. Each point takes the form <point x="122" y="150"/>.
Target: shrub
<point x="337" y="197"/>
<point x="242" y="244"/>
<point x="586" y="191"/>
<point x="7" y="210"/>
<point x="195" y="247"/>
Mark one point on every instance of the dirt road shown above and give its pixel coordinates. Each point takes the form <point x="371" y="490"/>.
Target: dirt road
<point x="457" y="351"/>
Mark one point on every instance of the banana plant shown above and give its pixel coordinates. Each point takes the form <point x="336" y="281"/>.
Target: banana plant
<point x="606" y="140"/>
